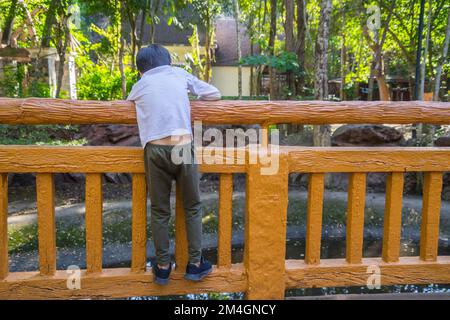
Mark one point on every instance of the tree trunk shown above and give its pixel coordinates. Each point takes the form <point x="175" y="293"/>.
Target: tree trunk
<point x="252" y="72"/>
<point x="62" y="50"/>
<point x="437" y="83"/>
<point x="9" y="23"/>
<point x="343" y="60"/>
<point x="272" y="34"/>
<point x="419" y="50"/>
<point x="49" y="22"/>
<point x="208" y="40"/>
<point x="322" y="134"/>
<point x="142" y="26"/>
<point x="321" y="79"/>
<point x="133" y="21"/>
<point x="238" y="46"/>
<point x="301" y="38"/>
<point x="424" y="60"/>
<point x="289" y="41"/>
<point x="122" y="50"/>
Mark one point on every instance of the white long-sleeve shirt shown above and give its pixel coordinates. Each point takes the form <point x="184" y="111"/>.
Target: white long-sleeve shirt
<point x="162" y="101"/>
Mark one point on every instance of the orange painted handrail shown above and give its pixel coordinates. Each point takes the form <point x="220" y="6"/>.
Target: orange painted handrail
<point x="265" y="272"/>
<point x="56" y="111"/>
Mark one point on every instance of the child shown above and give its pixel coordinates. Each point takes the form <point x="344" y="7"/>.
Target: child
<point x="164" y="120"/>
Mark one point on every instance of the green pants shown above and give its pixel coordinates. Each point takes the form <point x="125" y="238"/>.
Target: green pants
<point x="160" y="171"/>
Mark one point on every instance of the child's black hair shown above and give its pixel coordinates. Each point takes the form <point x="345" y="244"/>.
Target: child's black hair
<point x="155" y="55"/>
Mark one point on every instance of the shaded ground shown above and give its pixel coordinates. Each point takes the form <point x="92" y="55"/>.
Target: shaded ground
<point x="117" y="229"/>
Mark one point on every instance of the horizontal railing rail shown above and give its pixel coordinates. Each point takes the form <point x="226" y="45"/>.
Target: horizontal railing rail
<point x="55" y="111"/>
<point x="265" y="272"/>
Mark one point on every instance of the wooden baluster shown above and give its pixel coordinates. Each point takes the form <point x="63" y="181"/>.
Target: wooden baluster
<point x="4" y="266"/>
<point x="265" y="231"/>
<point x="393" y="217"/>
<point x="265" y="135"/>
<point x="94" y="210"/>
<point x="45" y="195"/>
<point x="181" y="243"/>
<point x="314" y="218"/>
<point x="355" y="217"/>
<point x="139" y="223"/>
<point x="225" y="220"/>
<point x="431" y="210"/>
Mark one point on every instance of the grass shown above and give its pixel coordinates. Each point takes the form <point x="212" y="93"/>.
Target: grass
<point x="57" y="135"/>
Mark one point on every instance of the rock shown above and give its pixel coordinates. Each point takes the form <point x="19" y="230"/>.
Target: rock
<point x="69" y="178"/>
<point x="111" y="135"/>
<point x="442" y="141"/>
<point x="298" y="139"/>
<point x="446" y="187"/>
<point x="119" y="178"/>
<point x="21" y="179"/>
<point x="366" y="135"/>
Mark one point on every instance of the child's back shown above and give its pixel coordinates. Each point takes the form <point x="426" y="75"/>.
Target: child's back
<point x="164" y="119"/>
<point x="162" y="102"/>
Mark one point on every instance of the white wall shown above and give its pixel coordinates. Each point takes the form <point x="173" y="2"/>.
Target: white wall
<point x="225" y="78"/>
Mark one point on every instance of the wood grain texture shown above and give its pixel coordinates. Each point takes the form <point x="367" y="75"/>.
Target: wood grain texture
<point x="367" y="159"/>
<point x="117" y="283"/>
<point x="393" y="217"/>
<point x="55" y="111"/>
<point x="45" y="201"/>
<point x="355" y="217"/>
<point x="94" y="222"/>
<point x="338" y="273"/>
<point x="4" y="265"/>
<point x="139" y="223"/>
<point x="181" y="242"/>
<point x="265" y="231"/>
<point x="314" y="218"/>
<point x="301" y="159"/>
<point x="431" y="211"/>
<point x="225" y="220"/>
<point x="92" y="159"/>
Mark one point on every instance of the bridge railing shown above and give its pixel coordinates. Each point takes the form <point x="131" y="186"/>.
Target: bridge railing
<point x="265" y="272"/>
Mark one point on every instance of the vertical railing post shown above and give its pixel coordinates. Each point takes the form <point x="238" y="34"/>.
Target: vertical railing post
<point x="393" y="217"/>
<point x="355" y="217"/>
<point x="94" y="222"/>
<point x="431" y="211"/>
<point x="3" y="226"/>
<point x="314" y="218"/>
<point x="224" y="234"/>
<point x="181" y="242"/>
<point x="139" y="223"/>
<point x="265" y="230"/>
<point x="46" y="223"/>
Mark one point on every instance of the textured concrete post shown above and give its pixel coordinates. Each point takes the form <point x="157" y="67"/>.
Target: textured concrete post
<point x="265" y="231"/>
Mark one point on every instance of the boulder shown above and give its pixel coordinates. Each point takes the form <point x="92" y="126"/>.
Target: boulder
<point x="366" y="135"/>
<point x="443" y="141"/>
<point x="110" y="135"/>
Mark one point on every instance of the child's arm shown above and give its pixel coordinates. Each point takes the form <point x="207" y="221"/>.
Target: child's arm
<point x="203" y="90"/>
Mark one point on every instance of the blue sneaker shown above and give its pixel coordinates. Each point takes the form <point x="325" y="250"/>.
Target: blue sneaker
<point x="195" y="273"/>
<point x="161" y="275"/>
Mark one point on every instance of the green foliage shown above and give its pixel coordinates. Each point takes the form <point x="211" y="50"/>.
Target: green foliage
<point x="99" y="82"/>
<point x="283" y="62"/>
<point x="39" y="134"/>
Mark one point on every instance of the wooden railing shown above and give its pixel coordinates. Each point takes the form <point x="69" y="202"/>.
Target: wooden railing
<point x="265" y="272"/>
